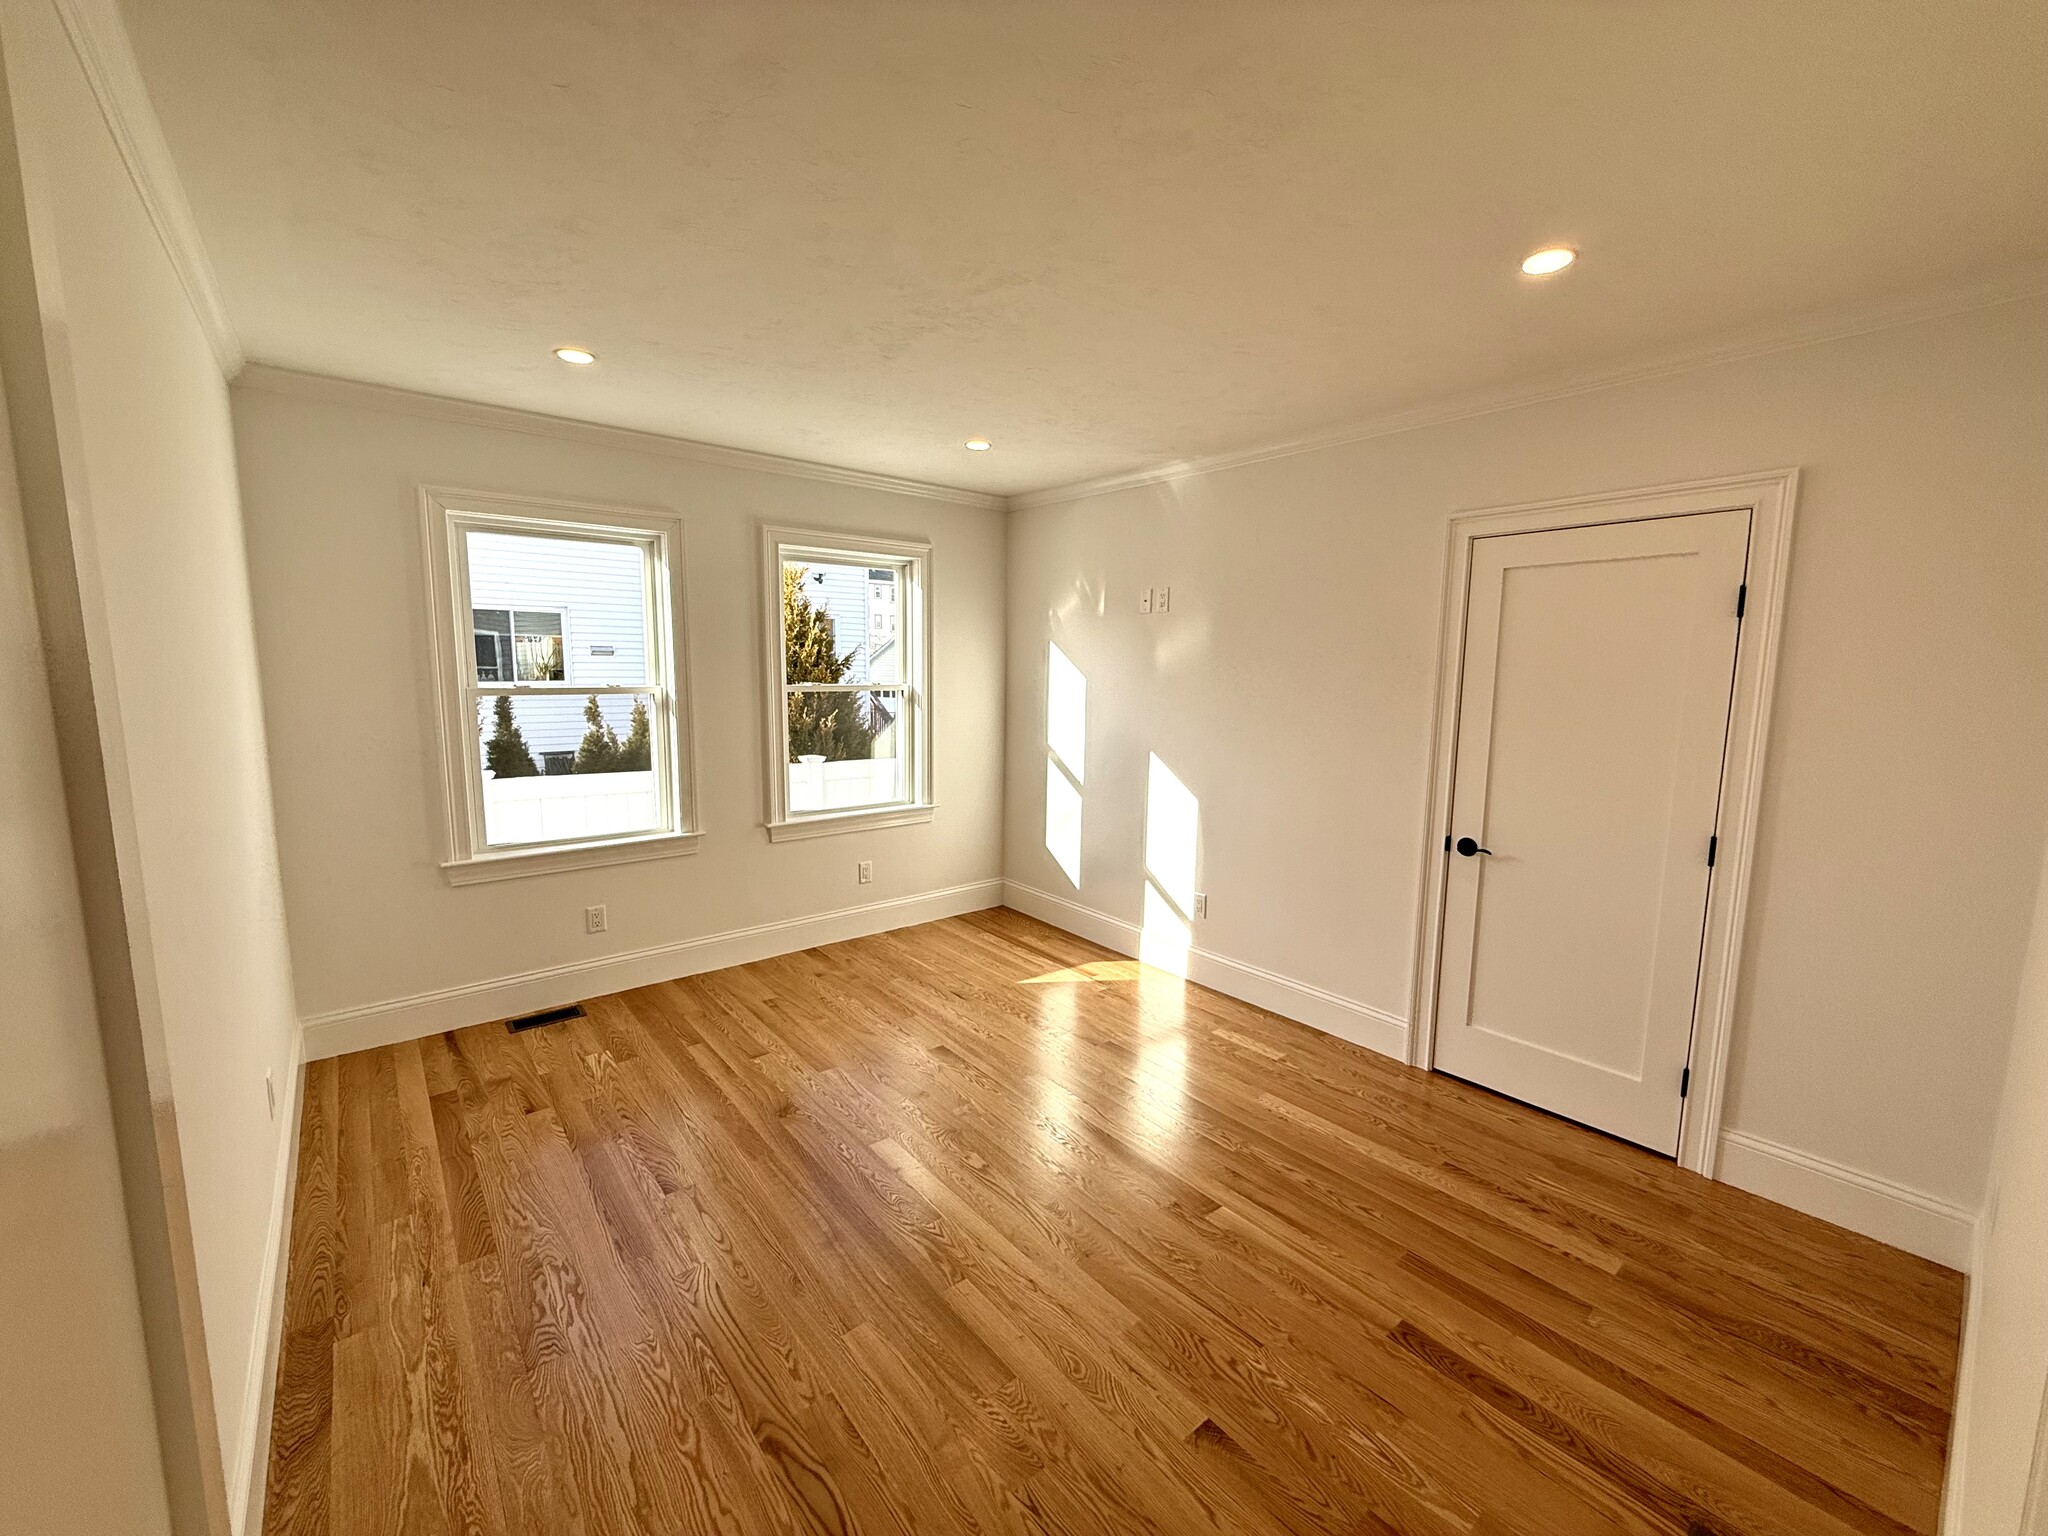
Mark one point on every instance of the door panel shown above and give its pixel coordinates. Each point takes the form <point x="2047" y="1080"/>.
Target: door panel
<point x="1592" y="716"/>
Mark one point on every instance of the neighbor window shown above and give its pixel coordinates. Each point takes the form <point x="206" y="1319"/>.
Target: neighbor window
<point x="850" y="707"/>
<point x="518" y="645"/>
<point x="555" y="645"/>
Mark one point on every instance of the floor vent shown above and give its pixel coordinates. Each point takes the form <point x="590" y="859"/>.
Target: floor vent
<point x="545" y="1016"/>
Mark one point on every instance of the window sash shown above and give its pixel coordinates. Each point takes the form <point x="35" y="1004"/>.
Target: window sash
<point x="498" y="663"/>
<point x="450" y="518"/>
<point x="847" y="688"/>
<point x="653" y="696"/>
<point x="907" y="694"/>
<point x="904" y="569"/>
<point x="563" y="690"/>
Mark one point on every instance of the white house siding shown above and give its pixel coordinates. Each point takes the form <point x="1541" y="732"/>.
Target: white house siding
<point x="599" y="591"/>
<point x="842" y="591"/>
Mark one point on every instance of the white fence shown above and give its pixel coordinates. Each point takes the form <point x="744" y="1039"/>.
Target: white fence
<point x="816" y="785"/>
<point x="549" y="807"/>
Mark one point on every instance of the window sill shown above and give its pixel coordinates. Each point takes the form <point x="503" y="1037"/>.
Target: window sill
<point x="517" y="863"/>
<point x="827" y="823"/>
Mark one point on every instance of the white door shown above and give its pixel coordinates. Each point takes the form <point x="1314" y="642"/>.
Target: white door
<point x="1599" y="664"/>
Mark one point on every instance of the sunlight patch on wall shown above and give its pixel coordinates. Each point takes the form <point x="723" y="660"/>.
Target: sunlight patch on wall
<point x="1172" y="825"/>
<point x="1164" y="940"/>
<point x="1063" y="822"/>
<point x="1066" y="713"/>
<point x="1066" y="753"/>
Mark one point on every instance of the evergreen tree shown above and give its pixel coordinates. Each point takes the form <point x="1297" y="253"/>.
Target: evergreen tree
<point x="598" y="752"/>
<point x="636" y="753"/>
<point x="506" y="753"/>
<point x="831" y="725"/>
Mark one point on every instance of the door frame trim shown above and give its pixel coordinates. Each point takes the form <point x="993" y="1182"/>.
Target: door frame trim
<point x="1770" y="497"/>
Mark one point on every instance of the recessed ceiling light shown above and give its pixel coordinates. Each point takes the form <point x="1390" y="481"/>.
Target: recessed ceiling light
<point x="1552" y="258"/>
<point x="576" y="355"/>
<point x="978" y="444"/>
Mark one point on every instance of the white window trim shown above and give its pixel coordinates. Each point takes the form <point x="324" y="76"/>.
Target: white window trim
<point x="445" y="514"/>
<point x="914" y="630"/>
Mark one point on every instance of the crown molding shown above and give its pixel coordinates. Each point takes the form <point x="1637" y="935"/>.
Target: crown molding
<point x="100" y="42"/>
<point x="2014" y="285"/>
<point x="272" y="379"/>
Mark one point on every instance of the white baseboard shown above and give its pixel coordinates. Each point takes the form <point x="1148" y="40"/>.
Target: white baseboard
<point x="247" y="1481"/>
<point x="429" y="1013"/>
<point x="1344" y="1017"/>
<point x="1892" y="1213"/>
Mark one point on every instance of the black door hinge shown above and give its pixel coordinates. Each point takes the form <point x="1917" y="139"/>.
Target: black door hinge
<point x="1741" y="599"/>
<point x="1685" y="1082"/>
<point x="1713" y="847"/>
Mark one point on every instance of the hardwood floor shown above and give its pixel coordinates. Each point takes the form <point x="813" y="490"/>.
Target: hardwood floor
<point x="975" y="1227"/>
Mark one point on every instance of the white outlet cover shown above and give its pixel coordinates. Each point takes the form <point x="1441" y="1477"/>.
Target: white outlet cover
<point x="1145" y="601"/>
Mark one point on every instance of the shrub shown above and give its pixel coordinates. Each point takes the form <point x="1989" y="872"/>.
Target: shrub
<point x="636" y="753"/>
<point x="598" y="752"/>
<point x="829" y="725"/>
<point x="506" y="753"/>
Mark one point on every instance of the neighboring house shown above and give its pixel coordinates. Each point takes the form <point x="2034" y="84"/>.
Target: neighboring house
<point x="863" y="607"/>
<point x="557" y="610"/>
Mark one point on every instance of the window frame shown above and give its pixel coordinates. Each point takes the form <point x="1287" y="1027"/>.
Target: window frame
<point x="911" y="556"/>
<point x="446" y="516"/>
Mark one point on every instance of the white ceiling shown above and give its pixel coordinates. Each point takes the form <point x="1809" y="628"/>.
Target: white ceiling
<point x="1101" y="233"/>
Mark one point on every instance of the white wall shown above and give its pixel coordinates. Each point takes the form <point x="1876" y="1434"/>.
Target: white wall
<point x="2003" y="1394"/>
<point x="1902" y="819"/>
<point x="330" y="487"/>
<point x="78" y="1450"/>
<point x="151" y="478"/>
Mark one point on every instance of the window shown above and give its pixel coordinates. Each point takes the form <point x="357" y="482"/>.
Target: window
<point x="848" y="634"/>
<point x="518" y="645"/>
<point x="557" y="675"/>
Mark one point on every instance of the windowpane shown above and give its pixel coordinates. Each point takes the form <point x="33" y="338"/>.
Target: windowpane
<point x="571" y="610"/>
<point x="846" y="749"/>
<point x="492" y="628"/>
<point x="539" y="658"/>
<point x="557" y="768"/>
<point x="841" y="622"/>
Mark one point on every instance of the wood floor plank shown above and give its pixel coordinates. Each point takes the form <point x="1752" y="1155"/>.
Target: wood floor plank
<point x="976" y="1227"/>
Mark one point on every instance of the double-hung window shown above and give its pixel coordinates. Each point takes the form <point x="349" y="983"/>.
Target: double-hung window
<point x="848" y="657"/>
<point x="557" y="666"/>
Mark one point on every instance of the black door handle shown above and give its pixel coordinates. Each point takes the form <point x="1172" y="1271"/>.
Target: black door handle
<point x="1469" y="846"/>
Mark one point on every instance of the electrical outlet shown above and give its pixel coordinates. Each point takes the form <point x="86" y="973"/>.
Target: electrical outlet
<point x="1145" y="601"/>
<point x="1201" y="903"/>
<point x="1166" y="599"/>
<point x="594" y="920"/>
<point x="866" y="869"/>
<point x="270" y="1093"/>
